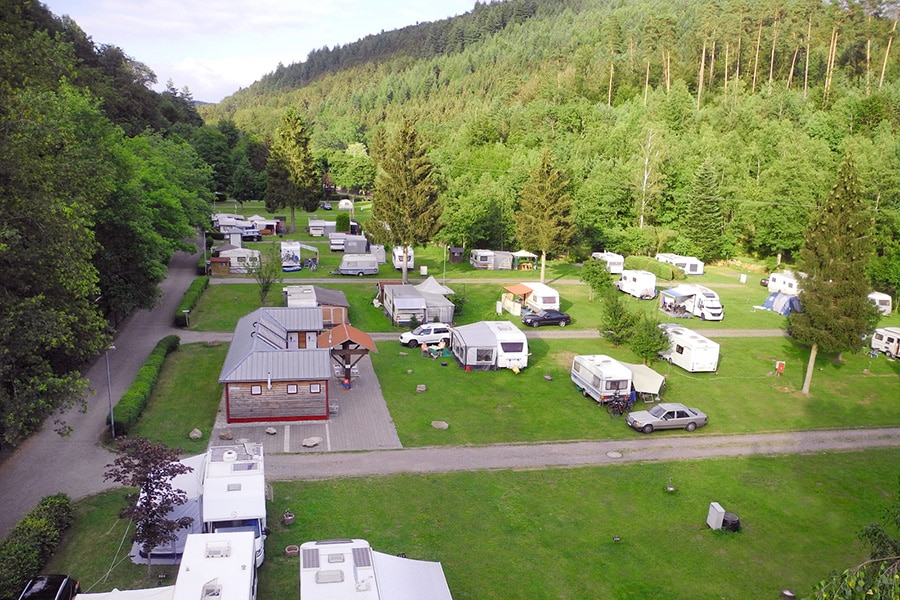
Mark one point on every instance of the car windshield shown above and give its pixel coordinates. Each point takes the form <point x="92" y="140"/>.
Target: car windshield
<point x="541" y="313"/>
<point x="421" y="330"/>
<point x="657" y="411"/>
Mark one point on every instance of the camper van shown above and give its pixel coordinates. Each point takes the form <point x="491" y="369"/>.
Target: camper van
<point x="217" y="565"/>
<point x="785" y="282"/>
<point x="882" y="301"/>
<point x="615" y="263"/>
<point x="690" y="350"/>
<point x="234" y="493"/>
<point x="600" y="377"/>
<point x="691" y="265"/>
<point x="358" y="264"/>
<point x="697" y="300"/>
<point x="397" y="258"/>
<point x="541" y="297"/>
<point x="640" y="284"/>
<point x="887" y="341"/>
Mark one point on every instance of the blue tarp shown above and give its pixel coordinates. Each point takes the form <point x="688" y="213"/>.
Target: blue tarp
<point x="782" y="303"/>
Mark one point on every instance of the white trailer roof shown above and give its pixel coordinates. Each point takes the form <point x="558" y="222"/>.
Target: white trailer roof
<point x="235" y="484"/>
<point x="219" y="566"/>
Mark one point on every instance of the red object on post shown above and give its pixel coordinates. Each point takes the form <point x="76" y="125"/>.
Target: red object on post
<point x="346" y="384"/>
<point x="468" y="368"/>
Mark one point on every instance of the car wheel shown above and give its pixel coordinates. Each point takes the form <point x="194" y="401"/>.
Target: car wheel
<point x="584" y="393"/>
<point x="647" y="429"/>
<point x="412" y="343"/>
<point x="889" y="354"/>
<point x="562" y="323"/>
<point x="690" y="426"/>
<point x="535" y="324"/>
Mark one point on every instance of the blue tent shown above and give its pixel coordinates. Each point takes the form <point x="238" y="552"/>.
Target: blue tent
<point x="782" y="303"/>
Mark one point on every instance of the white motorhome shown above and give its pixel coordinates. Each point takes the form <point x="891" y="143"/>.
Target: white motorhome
<point x="336" y="240"/>
<point x="217" y="566"/>
<point x="785" y="282"/>
<point x="697" y="300"/>
<point x="615" y="263"/>
<point x="234" y="493"/>
<point x="640" y="284"/>
<point x="883" y="302"/>
<point x="887" y="341"/>
<point x="541" y="297"/>
<point x="600" y="377"/>
<point x="691" y="265"/>
<point x="397" y="258"/>
<point x="358" y="264"/>
<point x="690" y="350"/>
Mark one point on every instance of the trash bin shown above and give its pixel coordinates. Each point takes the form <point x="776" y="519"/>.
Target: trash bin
<point x="731" y="522"/>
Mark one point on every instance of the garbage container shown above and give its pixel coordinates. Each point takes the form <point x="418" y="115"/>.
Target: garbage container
<point x="731" y="522"/>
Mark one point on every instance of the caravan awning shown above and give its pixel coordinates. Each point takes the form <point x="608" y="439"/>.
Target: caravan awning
<point x="519" y="289"/>
<point x="678" y="292"/>
<point x="645" y="379"/>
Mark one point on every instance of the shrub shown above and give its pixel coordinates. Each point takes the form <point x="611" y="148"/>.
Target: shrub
<point x="190" y="299"/>
<point x="660" y="269"/>
<point x="129" y="409"/>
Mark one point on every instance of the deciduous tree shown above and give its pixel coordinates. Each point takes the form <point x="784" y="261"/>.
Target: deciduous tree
<point x="294" y="177"/>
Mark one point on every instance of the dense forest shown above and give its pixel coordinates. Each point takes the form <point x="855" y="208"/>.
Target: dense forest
<point x="706" y="128"/>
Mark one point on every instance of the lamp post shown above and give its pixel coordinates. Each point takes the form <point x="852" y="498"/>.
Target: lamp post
<point x="112" y="420"/>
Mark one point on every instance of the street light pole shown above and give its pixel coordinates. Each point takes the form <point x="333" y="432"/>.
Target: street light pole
<point x="112" y="420"/>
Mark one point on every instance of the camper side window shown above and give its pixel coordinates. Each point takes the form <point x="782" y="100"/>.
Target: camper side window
<point x="679" y="349"/>
<point x="484" y="355"/>
<point x="512" y="346"/>
<point x="617" y="385"/>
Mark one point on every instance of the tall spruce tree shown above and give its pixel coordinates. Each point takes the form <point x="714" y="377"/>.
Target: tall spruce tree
<point x="836" y="310"/>
<point x="405" y="203"/>
<point x="294" y="178"/>
<point x="544" y="220"/>
<point x="703" y="221"/>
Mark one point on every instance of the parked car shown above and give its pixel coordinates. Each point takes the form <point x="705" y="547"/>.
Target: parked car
<point x="429" y="333"/>
<point x="666" y="415"/>
<point x="251" y="235"/>
<point x="326" y="205"/>
<point x="51" y="587"/>
<point x="764" y="282"/>
<point x="546" y="317"/>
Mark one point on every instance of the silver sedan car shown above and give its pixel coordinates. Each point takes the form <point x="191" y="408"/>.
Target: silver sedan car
<point x="666" y="415"/>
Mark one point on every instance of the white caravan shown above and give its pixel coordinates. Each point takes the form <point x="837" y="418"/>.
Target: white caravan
<point x="217" y="566"/>
<point x="640" y="284"/>
<point x="785" y="282"/>
<point x="615" y="263"/>
<point x="358" y="264"/>
<point x="887" y="341"/>
<point x="397" y="258"/>
<point x="882" y="301"/>
<point x="234" y="493"/>
<point x="690" y="350"/>
<point x="601" y="377"/>
<point x="697" y="300"/>
<point x="541" y="297"/>
<point x="691" y="265"/>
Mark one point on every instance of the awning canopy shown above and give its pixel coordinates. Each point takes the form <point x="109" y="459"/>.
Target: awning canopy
<point x="524" y="254"/>
<point x="678" y="292"/>
<point x="645" y="380"/>
<point x="519" y="289"/>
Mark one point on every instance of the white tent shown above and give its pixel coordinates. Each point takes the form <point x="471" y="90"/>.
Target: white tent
<point x="432" y="286"/>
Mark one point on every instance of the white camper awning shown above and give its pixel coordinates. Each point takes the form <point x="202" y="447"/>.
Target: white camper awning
<point x="408" y="579"/>
<point x="157" y="593"/>
<point x="645" y="380"/>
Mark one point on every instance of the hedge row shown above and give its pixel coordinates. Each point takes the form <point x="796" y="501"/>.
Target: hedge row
<point x="129" y="409"/>
<point x="32" y="542"/>
<point x="190" y="299"/>
<point x="660" y="269"/>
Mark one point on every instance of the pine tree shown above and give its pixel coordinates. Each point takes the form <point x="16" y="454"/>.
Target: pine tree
<point x="703" y="222"/>
<point x="544" y="220"/>
<point x="405" y="202"/>
<point x="836" y="310"/>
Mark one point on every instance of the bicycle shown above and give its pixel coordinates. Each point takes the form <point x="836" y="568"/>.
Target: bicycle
<point x="618" y="406"/>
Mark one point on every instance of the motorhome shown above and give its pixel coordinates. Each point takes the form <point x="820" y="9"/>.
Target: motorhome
<point x="397" y="258"/>
<point x="615" y="263"/>
<point x="234" y="493"/>
<point x="887" y="341"/>
<point x="690" y="350"/>
<point x="490" y="345"/>
<point x="691" y="265"/>
<point x="883" y="302"/>
<point x="640" y="284"/>
<point x="785" y="282"/>
<point x="690" y="299"/>
<point x="358" y="264"/>
<point x="600" y="377"/>
<point x="217" y="566"/>
<point x="336" y="240"/>
<point x="541" y="297"/>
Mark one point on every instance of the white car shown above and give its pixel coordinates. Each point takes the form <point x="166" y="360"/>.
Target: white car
<point x="666" y="415"/>
<point x="429" y="333"/>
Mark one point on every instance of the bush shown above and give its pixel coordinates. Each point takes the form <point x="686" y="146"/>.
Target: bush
<point x="129" y="409"/>
<point x="660" y="269"/>
<point x="31" y="543"/>
<point x="190" y="299"/>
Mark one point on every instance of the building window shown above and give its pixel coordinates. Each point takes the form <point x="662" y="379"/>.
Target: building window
<point x="256" y="390"/>
<point x="292" y="388"/>
<point x="315" y="388"/>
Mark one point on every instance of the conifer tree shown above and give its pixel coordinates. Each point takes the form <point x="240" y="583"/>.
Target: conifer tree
<point x="405" y="203"/>
<point x="703" y="222"/>
<point x="294" y="178"/>
<point x="544" y="220"/>
<point x="836" y="310"/>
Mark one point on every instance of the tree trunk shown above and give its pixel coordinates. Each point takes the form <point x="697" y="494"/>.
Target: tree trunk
<point x="609" y="88"/>
<point x="809" y="368"/>
<point x="887" y="51"/>
<point x="543" y="264"/>
<point x="727" y="48"/>
<point x="793" y="66"/>
<point x="702" y="75"/>
<point x="772" y="55"/>
<point x="756" y="57"/>
<point x="808" y="46"/>
<point x="647" y="81"/>
<point x="293" y="221"/>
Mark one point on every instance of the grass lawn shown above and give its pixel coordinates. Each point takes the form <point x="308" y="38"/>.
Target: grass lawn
<point x="548" y="534"/>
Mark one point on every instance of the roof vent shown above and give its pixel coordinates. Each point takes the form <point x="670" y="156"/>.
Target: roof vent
<point x="229" y="456"/>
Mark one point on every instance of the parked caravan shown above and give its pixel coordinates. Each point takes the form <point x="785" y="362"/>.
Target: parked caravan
<point x="491" y="260"/>
<point x="640" y="284"/>
<point x="615" y="263"/>
<point x="600" y="377"/>
<point x="697" y="300"/>
<point x="785" y="282"/>
<point x="882" y="301"/>
<point x="397" y="258"/>
<point x="234" y="493"/>
<point x="320" y="227"/>
<point x="887" y="341"/>
<point x="490" y="345"/>
<point x="689" y="350"/>
<point x="356" y="244"/>
<point x="403" y="303"/>
<point x="336" y="241"/>
<point x="217" y="566"/>
<point x="541" y="297"/>
<point x="691" y="265"/>
<point x="358" y="264"/>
